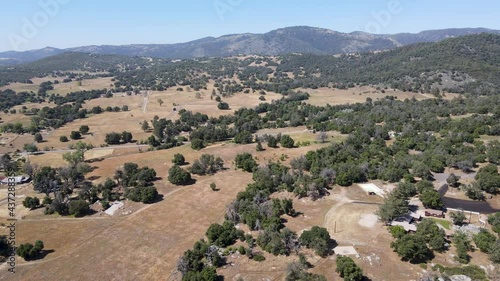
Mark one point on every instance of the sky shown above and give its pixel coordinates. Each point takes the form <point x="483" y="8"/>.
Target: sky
<point x="34" y="24"/>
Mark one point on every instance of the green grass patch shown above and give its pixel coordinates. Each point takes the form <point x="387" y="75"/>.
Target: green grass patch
<point x="473" y="271"/>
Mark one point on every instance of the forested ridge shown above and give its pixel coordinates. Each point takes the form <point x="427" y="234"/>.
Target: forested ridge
<point x="472" y="62"/>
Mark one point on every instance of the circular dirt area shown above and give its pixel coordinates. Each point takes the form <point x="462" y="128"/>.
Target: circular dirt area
<point x="368" y="220"/>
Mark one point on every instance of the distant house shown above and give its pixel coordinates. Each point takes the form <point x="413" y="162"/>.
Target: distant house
<point x="434" y="213"/>
<point x="17" y="180"/>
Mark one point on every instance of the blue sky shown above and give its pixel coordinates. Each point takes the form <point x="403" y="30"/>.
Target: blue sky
<point x="28" y="25"/>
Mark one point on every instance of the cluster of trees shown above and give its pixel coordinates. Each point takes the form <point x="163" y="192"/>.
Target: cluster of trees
<point x="179" y="176"/>
<point x="396" y="204"/>
<point x="78" y="97"/>
<point x="166" y="132"/>
<point x="61" y="66"/>
<point x="29" y="251"/>
<point x="46" y="117"/>
<point x="418" y="247"/>
<point x="31" y="202"/>
<point x="488" y="179"/>
<point x="318" y="239"/>
<point x="56" y="117"/>
<point x="259" y="211"/>
<point x="245" y="162"/>
<point x="132" y="175"/>
<point x="200" y="262"/>
<point x="463" y="245"/>
<point x="144" y="194"/>
<point x="138" y="183"/>
<point x="9" y="99"/>
<point x="348" y="269"/>
<point x="494" y="221"/>
<point x="117" y="138"/>
<point x="486" y="241"/>
<point x="61" y="183"/>
<point x="296" y="271"/>
<point x="223" y="235"/>
<point x="207" y="164"/>
<point x="278" y="242"/>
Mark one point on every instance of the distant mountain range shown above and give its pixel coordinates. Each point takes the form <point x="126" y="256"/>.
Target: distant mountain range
<point x="300" y="39"/>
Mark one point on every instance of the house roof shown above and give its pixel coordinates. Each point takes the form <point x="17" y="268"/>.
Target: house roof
<point x="406" y="218"/>
<point x="415" y="215"/>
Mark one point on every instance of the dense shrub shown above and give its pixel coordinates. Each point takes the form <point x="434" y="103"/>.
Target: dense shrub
<point x="179" y="176"/>
<point x="318" y="239"/>
<point x="246" y="162"/>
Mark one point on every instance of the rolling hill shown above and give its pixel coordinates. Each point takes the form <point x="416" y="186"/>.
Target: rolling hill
<point x="300" y="39"/>
<point x="456" y="64"/>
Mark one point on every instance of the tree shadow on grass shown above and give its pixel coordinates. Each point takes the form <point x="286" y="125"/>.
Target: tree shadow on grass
<point x="296" y="214"/>
<point x="44" y="253"/>
<point x="94" y="160"/>
<point x="332" y="244"/>
<point x="93" y="178"/>
<point x="190" y="182"/>
<point x="158" y="199"/>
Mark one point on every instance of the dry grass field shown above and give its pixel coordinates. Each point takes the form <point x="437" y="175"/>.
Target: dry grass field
<point x="188" y="100"/>
<point x="86" y="85"/>
<point x="108" y="122"/>
<point x="61" y="88"/>
<point x="156" y="235"/>
<point x="323" y="96"/>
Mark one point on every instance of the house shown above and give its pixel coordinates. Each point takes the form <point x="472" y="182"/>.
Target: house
<point x="434" y="213"/>
<point x="17" y="180"/>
